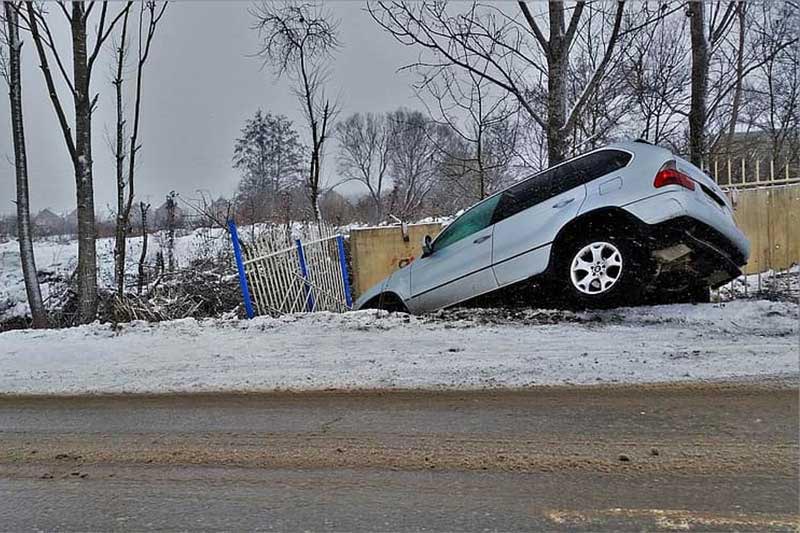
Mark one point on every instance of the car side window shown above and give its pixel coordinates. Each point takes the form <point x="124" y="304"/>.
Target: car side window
<point x="559" y="179"/>
<point x="474" y="220"/>
<point x="524" y="195"/>
<point x="587" y="168"/>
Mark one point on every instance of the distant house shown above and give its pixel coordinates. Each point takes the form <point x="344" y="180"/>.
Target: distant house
<point x="48" y="223"/>
<point x="71" y="225"/>
<point x="221" y="209"/>
<point x="161" y="216"/>
<point x="747" y="144"/>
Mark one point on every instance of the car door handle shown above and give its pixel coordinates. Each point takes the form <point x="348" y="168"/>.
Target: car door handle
<point x="481" y="239"/>
<point x="562" y="203"/>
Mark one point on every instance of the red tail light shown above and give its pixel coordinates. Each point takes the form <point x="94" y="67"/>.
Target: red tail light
<point x="670" y="175"/>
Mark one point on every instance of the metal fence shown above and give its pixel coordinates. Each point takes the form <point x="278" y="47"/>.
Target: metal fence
<point x="765" y="195"/>
<point x="746" y="172"/>
<point x="293" y="270"/>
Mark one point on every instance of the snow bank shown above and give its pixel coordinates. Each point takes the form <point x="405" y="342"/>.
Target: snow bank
<point x="463" y="349"/>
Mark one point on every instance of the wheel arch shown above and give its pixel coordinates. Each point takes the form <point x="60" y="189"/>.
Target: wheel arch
<point x="389" y="300"/>
<point x="616" y="219"/>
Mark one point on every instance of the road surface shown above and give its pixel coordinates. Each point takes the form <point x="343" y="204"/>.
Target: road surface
<point x="706" y="457"/>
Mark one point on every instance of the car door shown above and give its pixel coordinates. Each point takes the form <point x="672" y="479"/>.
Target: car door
<point x="529" y="218"/>
<point x="459" y="266"/>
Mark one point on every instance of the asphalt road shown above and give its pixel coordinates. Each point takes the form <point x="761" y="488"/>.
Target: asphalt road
<point x="632" y="458"/>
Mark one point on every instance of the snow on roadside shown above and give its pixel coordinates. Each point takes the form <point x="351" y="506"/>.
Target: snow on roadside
<point x="465" y="349"/>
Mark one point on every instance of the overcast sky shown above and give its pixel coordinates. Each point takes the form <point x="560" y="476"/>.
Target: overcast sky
<point x="201" y="83"/>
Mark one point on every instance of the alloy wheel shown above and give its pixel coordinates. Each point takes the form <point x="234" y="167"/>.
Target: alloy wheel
<point x="596" y="268"/>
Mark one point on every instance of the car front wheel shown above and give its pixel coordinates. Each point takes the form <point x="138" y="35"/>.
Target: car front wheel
<point x="602" y="272"/>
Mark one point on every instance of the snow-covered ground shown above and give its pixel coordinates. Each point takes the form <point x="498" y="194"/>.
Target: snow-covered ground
<point x="462" y="349"/>
<point x="783" y="284"/>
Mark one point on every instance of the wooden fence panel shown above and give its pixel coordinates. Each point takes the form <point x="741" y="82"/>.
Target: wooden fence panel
<point x="377" y="252"/>
<point x="770" y="217"/>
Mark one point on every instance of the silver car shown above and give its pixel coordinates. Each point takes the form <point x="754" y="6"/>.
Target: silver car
<point x="606" y="228"/>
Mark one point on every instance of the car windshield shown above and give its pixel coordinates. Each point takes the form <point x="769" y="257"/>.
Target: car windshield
<point x="475" y="219"/>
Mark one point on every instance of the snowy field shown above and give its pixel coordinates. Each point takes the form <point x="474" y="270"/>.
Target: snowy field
<point x="461" y="349"/>
<point x="57" y="258"/>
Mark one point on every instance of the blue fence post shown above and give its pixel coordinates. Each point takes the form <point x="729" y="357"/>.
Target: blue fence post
<point x="304" y="271"/>
<point x="237" y="253"/>
<point x="348" y="297"/>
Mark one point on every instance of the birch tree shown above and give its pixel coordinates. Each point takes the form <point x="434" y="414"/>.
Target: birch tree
<point x="77" y="133"/>
<point x="11" y="71"/>
<point x="299" y="40"/>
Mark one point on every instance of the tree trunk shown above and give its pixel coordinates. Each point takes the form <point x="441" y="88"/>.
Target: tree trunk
<point x="557" y="69"/>
<point x="121" y="227"/>
<point x="737" y="94"/>
<point x="697" y="110"/>
<point x="171" y="231"/>
<point x="313" y="185"/>
<point x="143" y="256"/>
<point x="21" y="169"/>
<point x="87" y="233"/>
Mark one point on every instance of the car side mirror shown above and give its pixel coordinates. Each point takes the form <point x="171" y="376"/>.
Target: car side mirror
<point x="427" y="246"/>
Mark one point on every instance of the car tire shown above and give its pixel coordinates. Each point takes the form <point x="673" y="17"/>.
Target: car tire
<point x="602" y="272"/>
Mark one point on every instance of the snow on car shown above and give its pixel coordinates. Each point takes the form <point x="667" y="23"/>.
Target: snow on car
<point x="607" y="228"/>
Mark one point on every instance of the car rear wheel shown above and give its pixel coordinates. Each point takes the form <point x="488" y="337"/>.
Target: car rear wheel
<point x="602" y="271"/>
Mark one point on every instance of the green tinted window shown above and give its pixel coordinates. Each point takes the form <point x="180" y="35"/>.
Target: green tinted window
<point x="474" y="220"/>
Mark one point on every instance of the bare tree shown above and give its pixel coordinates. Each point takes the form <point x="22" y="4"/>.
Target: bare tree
<point x="723" y="61"/>
<point x="485" y="123"/>
<point x="706" y="34"/>
<point x="143" y="208"/>
<point x="298" y="40"/>
<point x="364" y="152"/>
<point x="521" y="59"/>
<point x="125" y="176"/>
<point x="11" y="68"/>
<point x="77" y="135"/>
<point x="171" y="205"/>
<point x="655" y="73"/>
<point x="414" y="161"/>
<point x="774" y="94"/>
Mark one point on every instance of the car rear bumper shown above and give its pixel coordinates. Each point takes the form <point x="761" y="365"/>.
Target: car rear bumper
<point x="699" y="249"/>
<point x="680" y="211"/>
